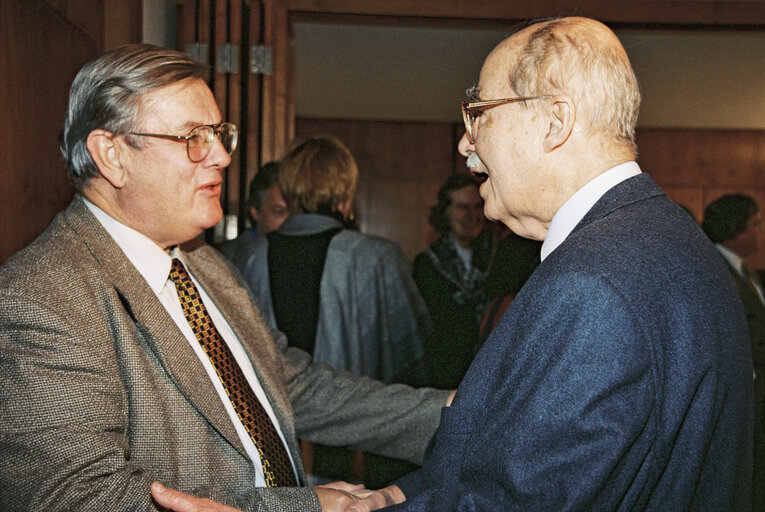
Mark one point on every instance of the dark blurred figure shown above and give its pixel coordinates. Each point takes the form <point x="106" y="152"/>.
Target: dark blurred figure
<point x="267" y="209"/>
<point x="732" y="222"/>
<point x="513" y="261"/>
<point x="450" y="275"/>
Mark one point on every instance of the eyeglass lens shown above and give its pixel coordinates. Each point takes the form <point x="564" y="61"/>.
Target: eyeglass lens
<point x="201" y="140"/>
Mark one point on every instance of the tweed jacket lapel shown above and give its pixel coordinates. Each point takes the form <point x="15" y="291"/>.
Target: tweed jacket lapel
<point x="250" y="329"/>
<point x="153" y="325"/>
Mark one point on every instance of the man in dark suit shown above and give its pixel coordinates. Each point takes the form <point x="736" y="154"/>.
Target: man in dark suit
<point x="130" y="352"/>
<point x="620" y="376"/>
<point x="733" y="222"/>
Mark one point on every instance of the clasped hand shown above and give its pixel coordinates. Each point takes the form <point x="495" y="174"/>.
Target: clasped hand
<point x="334" y="497"/>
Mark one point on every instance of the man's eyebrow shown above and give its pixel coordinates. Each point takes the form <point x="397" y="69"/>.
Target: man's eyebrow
<point x="190" y="125"/>
<point x="472" y="93"/>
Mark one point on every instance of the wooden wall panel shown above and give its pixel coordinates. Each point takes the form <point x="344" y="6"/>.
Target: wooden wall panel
<point x="259" y="104"/>
<point x="401" y="167"/>
<point x="41" y="53"/>
<point x="403" y="164"/>
<point x="86" y="15"/>
<point x="697" y="166"/>
<point x="699" y="13"/>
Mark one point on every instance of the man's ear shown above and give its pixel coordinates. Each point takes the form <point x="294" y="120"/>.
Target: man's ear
<point x="562" y="120"/>
<point x="104" y="150"/>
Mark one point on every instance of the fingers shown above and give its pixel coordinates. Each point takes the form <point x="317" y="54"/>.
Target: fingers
<point x="367" y="501"/>
<point x="170" y="498"/>
<point x="373" y="500"/>
<point x="342" y="486"/>
<point x="178" y="501"/>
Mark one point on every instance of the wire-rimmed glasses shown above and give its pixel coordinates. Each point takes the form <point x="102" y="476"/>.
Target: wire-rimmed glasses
<point x="200" y="139"/>
<point x="472" y="110"/>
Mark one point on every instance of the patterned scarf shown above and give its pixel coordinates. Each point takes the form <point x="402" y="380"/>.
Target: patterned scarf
<point x="468" y="280"/>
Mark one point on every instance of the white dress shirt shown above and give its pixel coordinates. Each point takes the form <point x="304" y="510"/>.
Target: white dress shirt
<point x="153" y="263"/>
<point x="577" y="206"/>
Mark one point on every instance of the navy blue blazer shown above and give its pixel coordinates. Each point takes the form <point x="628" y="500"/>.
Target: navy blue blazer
<point x="620" y="378"/>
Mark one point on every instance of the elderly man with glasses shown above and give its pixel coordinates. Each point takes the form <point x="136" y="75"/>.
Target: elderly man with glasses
<point x="132" y="352"/>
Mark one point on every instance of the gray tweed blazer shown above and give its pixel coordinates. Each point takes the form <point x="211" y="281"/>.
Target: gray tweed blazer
<point x="100" y="393"/>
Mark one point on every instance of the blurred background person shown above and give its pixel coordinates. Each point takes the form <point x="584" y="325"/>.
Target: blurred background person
<point x="450" y="276"/>
<point x="267" y="213"/>
<point x="345" y="297"/>
<point x="733" y="222"/>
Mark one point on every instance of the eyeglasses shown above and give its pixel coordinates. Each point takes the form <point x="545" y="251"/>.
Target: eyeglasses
<point x="200" y="139"/>
<point x="472" y="110"/>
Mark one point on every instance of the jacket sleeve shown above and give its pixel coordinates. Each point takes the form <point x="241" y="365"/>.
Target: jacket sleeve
<point x="341" y="409"/>
<point x="561" y="402"/>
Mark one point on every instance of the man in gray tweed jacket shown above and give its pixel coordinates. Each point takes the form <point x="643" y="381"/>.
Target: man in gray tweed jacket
<point x="103" y="385"/>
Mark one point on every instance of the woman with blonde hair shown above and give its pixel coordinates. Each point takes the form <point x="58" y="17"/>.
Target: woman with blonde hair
<point x="345" y="297"/>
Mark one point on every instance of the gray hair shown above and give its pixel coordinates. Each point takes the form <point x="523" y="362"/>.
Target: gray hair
<point x="106" y="95"/>
<point x="569" y="56"/>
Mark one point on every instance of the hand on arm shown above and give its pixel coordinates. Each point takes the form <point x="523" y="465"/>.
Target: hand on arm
<point x="374" y="500"/>
<point x="178" y="501"/>
<point x="334" y="497"/>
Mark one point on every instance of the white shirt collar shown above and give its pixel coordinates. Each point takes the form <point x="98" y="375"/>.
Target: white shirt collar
<point x="577" y="206"/>
<point x="151" y="261"/>
<point x="731" y="257"/>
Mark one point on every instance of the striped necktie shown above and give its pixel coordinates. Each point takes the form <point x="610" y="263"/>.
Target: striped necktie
<point x="277" y="468"/>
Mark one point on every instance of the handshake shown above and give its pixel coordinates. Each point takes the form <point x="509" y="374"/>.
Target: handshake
<point x="334" y="497"/>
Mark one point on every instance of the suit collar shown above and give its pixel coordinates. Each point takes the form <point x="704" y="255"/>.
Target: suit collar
<point x="632" y="190"/>
<point x="577" y="206"/>
<point x="151" y="261"/>
<point x="153" y="324"/>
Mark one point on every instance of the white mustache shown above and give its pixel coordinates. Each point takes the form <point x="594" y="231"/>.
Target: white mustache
<point x="473" y="162"/>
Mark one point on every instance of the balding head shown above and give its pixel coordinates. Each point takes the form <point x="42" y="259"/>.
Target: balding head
<point x="584" y="59"/>
<point x="571" y="112"/>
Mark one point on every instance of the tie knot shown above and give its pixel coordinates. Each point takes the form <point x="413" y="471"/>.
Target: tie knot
<point x="178" y="272"/>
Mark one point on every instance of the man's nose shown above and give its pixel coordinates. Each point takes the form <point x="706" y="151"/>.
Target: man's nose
<point x="218" y="155"/>
<point x="465" y="146"/>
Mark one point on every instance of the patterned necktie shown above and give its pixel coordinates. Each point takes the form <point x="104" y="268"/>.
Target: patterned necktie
<point x="277" y="468"/>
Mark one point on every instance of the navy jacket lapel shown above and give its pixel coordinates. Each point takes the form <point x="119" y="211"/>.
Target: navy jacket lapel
<point x="632" y="190"/>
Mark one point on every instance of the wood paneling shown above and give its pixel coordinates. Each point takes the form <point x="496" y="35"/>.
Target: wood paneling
<point x="727" y="15"/>
<point x="401" y="166"/>
<point x="122" y="22"/>
<point x="697" y="166"/>
<point x="86" y="15"/>
<point x="41" y="53"/>
<point x="259" y="104"/>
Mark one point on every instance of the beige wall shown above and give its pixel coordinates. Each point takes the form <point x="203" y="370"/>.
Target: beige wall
<point x="692" y="79"/>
